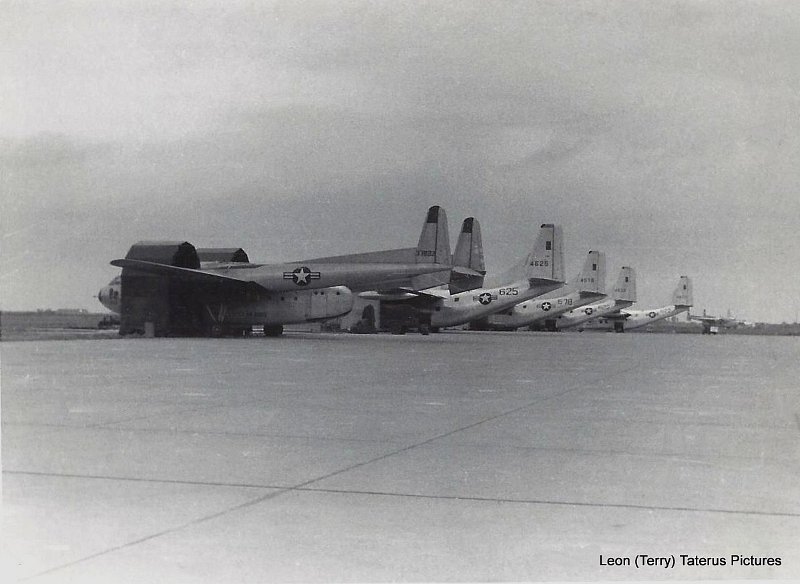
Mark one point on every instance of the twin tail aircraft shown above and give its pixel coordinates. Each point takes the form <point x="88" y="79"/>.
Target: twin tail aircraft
<point x="164" y="286"/>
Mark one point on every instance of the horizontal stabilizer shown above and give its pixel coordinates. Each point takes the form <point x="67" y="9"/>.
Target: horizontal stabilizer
<point x="466" y="271"/>
<point x="594" y="295"/>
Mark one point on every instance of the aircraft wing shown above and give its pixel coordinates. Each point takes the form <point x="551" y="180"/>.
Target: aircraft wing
<point x="616" y="316"/>
<point x="708" y="319"/>
<point x="190" y="275"/>
<point x="398" y="294"/>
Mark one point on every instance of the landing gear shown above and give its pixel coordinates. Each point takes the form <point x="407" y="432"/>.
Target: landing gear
<point x="273" y="330"/>
<point x="398" y="329"/>
<point x="425" y="329"/>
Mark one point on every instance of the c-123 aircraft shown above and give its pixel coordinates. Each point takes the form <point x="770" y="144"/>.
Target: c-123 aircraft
<point x="539" y="272"/>
<point x="624" y="295"/>
<point x="628" y="319"/>
<point x="165" y="286"/>
<point x="586" y="287"/>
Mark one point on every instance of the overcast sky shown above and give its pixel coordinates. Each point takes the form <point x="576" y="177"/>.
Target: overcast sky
<point x="666" y="134"/>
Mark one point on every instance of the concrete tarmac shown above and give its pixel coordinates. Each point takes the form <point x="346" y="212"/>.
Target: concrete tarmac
<point x="452" y="457"/>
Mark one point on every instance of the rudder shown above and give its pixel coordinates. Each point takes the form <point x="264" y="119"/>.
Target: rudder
<point x="469" y="267"/>
<point x="625" y="288"/>
<point x="593" y="275"/>
<point x="469" y="248"/>
<point x="682" y="296"/>
<point x="434" y="241"/>
<point x="546" y="260"/>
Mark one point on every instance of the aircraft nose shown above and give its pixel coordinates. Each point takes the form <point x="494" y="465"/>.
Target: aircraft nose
<point x="104" y="296"/>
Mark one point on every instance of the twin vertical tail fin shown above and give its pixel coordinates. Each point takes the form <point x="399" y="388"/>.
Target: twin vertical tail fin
<point x="469" y="249"/>
<point x="468" y="263"/>
<point x="545" y="263"/>
<point x="682" y="296"/>
<point x="433" y="248"/>
<point x="625" y="288"/>
<point x="434" y="241"/>
<point x="592" y="279"/>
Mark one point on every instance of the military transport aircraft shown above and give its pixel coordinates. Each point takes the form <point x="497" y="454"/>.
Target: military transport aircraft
<point x="538" y="273"/>
<point x="467" y="270"/>
<point x="110" y="295"/>
<point x="623" y="296"/>
<point x="712" y="324"/>
<point x="628" y="319"/>
<point x="588" y="286"/>
<point x="399" y="307"/>
<point x="166" y="286"/>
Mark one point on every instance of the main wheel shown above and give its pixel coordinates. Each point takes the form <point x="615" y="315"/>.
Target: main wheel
<point x="273" y="330"/>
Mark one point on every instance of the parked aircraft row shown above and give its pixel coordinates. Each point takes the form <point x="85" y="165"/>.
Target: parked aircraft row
<point x="173" y="288"/>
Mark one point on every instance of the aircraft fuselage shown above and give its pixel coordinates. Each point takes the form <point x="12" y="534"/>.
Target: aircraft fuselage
<point x="543" y="308"/>
<point x="465" y="307"/>
<point x="290" y="307"/>
<point x="639" y="318"/>
<point x="579" y="316"/>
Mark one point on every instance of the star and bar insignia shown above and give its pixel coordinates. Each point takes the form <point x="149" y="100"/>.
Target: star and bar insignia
<point x="485" y="298"/>
<point x="301" y="276"/>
